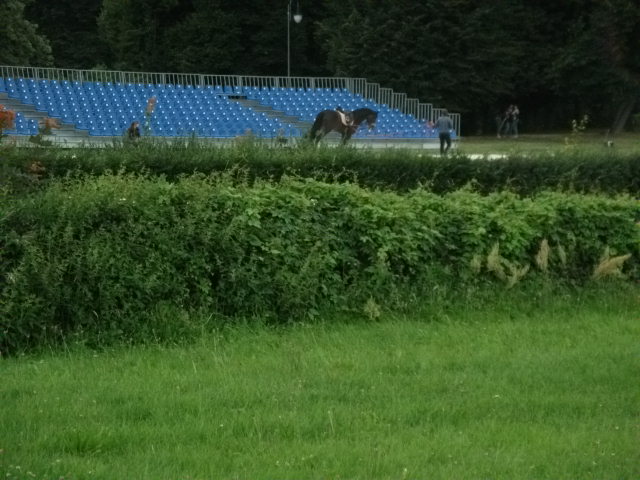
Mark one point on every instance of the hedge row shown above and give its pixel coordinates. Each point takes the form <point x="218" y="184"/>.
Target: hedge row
<point x="399" y="170"/>
<point x="124" y="257"/>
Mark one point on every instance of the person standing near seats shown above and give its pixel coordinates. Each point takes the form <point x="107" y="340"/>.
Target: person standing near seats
<point x="444" y="124"/>
<point x="507" y="121"/>
<point x="515" y="117"/>
<point x="133" y="132"/>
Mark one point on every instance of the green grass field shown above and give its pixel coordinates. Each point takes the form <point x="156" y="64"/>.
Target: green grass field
<point x="511" y="387"/>
<point x="541" y="143"/>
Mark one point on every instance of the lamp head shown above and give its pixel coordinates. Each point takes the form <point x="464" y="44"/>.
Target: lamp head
<point x="297" y="17"/>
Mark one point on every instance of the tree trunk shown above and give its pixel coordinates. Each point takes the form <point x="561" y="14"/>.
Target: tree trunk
<point x="622" y="115"/>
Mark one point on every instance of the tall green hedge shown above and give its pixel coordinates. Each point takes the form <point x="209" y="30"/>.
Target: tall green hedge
<point x="399" y="170"/>
<point x="105" y="257"/>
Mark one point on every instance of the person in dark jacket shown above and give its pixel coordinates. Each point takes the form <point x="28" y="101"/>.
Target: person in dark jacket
<point x="133" y="132"/>
<point x="444" y="124"/>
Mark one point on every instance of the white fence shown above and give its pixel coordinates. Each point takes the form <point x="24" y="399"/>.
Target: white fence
<point x="372" y="91"/>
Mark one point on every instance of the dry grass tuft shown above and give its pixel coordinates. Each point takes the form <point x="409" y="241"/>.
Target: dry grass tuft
<point x="495" y="261"/>
<point x="610" y="266"/>
<point x="476" y="264"/>
<point x="509" y="272"/>
<point x="562" y="254"/>
<point x="516" y="273"/>
<point x="372" y="309"/>
<point x="542" y="257"/>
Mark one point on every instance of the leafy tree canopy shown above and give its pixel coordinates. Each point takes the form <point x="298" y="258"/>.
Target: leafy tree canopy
<point x="21" y="43"/>
<point x="72" y="30"/>
<point x="557" y="60"/>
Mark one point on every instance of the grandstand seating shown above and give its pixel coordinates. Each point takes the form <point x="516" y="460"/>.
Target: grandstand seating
<point x="106" y="109"/>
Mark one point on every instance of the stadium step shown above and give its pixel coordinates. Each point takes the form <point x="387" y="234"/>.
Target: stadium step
<point x="271" y="112"/>
<point x="66" y="132"/>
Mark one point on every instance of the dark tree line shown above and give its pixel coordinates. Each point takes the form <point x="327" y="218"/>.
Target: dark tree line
<point x="556" y="60"/>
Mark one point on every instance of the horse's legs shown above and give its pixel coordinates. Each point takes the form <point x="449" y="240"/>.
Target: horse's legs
<point x="315" y="134"/>
<point x="346" y="135"/>
<point x="319" y="135"/>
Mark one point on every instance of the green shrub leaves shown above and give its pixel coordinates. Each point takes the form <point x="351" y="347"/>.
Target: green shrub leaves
<point x="399" y="170"/>
<point x="99" y="257"/>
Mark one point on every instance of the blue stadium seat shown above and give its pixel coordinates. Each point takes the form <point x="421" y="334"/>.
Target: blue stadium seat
<point x="108" y="108"/>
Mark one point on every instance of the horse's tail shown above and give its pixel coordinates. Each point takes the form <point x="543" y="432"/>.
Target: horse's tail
<point x="317" y="125"/>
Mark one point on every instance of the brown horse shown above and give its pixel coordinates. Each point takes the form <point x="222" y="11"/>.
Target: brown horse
<point x="331" y="120"/>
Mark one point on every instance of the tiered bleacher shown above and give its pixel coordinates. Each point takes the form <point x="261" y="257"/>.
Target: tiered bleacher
<point x="106" y="109"/>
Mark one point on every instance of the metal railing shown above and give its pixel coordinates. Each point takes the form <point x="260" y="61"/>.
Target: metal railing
<point x="372" y="91"/>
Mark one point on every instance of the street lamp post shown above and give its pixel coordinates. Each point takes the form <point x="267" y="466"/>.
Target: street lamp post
<point x="297" y="17"/>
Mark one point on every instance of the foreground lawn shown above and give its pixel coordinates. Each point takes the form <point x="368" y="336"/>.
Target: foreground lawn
<point x="536" y="388"/>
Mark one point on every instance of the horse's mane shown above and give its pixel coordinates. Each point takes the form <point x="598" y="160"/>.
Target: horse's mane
<point x="361" y="113"/>
<point x="365" y="110"/>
